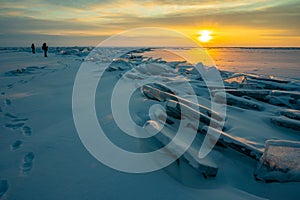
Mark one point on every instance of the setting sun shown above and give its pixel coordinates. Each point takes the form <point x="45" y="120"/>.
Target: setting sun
<point x="205" y="36"/>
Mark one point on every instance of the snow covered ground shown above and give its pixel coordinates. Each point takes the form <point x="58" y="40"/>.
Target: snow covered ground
<point x="42" y="157"/>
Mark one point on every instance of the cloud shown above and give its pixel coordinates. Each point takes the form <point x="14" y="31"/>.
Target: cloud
<point x="80" y="18"/>
<point x="25" y="40"/>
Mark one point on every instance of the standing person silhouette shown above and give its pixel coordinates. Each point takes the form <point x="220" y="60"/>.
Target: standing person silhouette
<point x="45" y="48"/>
<point x="33" y="48"/>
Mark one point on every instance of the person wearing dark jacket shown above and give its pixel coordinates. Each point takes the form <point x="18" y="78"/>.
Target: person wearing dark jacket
<point x="33" y="48"/>
<point x="45" y="48"/>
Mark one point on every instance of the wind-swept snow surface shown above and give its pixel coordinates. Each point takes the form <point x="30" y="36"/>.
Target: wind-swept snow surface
<point x="42" y="156"/>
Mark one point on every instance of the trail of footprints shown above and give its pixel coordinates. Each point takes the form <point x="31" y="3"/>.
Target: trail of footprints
<point x="16" y="123"/>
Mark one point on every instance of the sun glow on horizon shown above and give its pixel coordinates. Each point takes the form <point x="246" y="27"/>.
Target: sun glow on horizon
<point x="205" y="36"/>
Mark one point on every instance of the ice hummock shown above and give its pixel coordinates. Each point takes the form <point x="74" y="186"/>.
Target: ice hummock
<point x="280" y="162"/>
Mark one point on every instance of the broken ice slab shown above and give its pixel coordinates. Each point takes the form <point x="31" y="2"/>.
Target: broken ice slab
<point x="267" y="78"/>
<point x="152" y="92"/>
<point x="229" y="141"/>
<point x="161" y="93"/>
<point x="292" y="94"/>
<point x="269" y="84"/>
<point x="280" y="162"/>
<point x="256" y="94"/>
<point x="236" y="78"/>
<point x="206" y="166"/>
<point x="292" y="114"/>
<point x="262" y="95"/>
<point x="258" y="81"/>
<point x="286" y="122"/>
<point x="176" y="109"/>
<point x="237" y="101"/>
<point x="284" y="98"/>
<point x="237" y="81"/>
<point x="119" y="64"/>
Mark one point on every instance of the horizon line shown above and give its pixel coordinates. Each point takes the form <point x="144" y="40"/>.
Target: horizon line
<point x="159" y="46"/>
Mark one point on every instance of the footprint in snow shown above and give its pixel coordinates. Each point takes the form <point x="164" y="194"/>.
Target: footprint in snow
<point x="3" y="187"/>
<point x="16" y="145"/>
<point x="9" y="86"/>
<point x="14" y="126"/>
<point x="10" y="116"/>
<point x="26" y="131"/>
<point x="8" y="102"/>
<point x="15" y="118"/>
<point x="19" y="120"/>
<point x="27" y="163"/>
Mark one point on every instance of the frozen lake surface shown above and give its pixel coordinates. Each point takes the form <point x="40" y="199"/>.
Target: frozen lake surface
<point x="42" y="156"/>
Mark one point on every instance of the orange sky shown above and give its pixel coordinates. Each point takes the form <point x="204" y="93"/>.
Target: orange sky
<point x="232" y="23"/>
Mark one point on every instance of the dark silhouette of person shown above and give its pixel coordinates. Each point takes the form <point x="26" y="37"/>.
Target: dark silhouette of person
<point x="45" y="48"/>
<point x="33" y="48"/>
